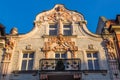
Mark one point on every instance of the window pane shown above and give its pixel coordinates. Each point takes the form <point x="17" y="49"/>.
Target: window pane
<point x="31" y="55"/>
<point x="24" y="63"/>
<point x="57" y="55"/>
<point x="90" y="65"/>
<point x="64" y="56"/>
<point x="67" y="32"/>
<point x="53" y="32"/>
<point x="30" y="64"/>
<point x="89" y="55"/>
<point x="95" y="55"/>
<point x="25" y="55"/>
<point x="96" y="64"/>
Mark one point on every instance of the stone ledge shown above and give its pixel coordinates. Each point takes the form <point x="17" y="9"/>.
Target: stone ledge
<point x="48" y="36"/>
<point x="94" y="71"/>
<point x="24" y="71"/>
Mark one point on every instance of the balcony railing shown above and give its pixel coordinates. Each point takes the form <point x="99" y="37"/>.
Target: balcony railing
<point x="60" y="64"/>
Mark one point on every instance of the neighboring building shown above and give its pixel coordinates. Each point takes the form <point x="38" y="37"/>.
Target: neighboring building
<point x="59" y="47"/>
<point x="110" y="30"/>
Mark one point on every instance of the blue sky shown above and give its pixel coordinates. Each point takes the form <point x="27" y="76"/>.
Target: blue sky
<point x="22" y="13"/>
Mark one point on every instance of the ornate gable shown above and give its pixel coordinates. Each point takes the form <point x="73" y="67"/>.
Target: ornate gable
<point x="59" y="12"/>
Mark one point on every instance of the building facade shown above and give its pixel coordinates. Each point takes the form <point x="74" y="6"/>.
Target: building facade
<point x="58" y="47"/>
<point x="109" y="28"/>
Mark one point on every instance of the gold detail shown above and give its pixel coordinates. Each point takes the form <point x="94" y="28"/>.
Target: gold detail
<point x="59" y="12"/>
<point x="60" y="43"/>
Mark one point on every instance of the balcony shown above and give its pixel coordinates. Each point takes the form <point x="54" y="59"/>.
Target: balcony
<point x="60" y="65"/>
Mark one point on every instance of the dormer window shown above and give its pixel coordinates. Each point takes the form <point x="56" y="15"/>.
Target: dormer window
<point x="67" y="30"/>
<point x="52" y="29"/>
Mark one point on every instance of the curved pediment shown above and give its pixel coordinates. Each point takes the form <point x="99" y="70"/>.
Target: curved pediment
<point x="59" y="12"/>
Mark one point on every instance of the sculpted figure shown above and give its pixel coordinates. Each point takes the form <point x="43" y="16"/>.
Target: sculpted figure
<point x="14" y="31"/>
<point x="8" y="48"/>
<point x="110" y="47"/>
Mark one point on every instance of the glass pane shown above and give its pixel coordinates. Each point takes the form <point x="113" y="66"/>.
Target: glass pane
<point x="89" y="55"/>
<point x="24" y="63"/>
<point x="53" y="32"/>
<point x="96" y="64"/>
<point x="53" y="26"/>
<point x="64" y="56"/>
<point x="67" y="32"/>
<point x="25" y="55"/>
<point x="31" y="55"/>
<point x="30" y="64"/>
<point x="90" y="65"/>
<point x="95" y="55"/>
<point x="57" y="55"/>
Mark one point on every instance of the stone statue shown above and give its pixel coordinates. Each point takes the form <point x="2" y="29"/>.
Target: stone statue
<point x="14" y="31"/>
<point x="110" y="47"/>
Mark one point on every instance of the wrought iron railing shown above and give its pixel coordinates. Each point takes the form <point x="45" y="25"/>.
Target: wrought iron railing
<point x="59" y="64"/>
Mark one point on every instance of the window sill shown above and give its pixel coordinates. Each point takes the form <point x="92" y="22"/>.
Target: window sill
<point x="24" y="71"/>
<point x="104" y="72"/>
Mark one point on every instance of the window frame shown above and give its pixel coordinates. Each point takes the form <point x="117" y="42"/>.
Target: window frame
<point x="93" y="59"/>
<point x="66" y="31"/>
<point x="68" y="28"/>
<point x="60" y="55"/>
<point x="55" y="28"/>
<point x="28" y="58"/>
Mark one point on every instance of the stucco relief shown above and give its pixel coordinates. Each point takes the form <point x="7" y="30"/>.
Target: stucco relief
<point x="110" y="48"/>
<point x="59" y="12"/>
<point x="60" y="43"/>
<point x="90" y="46"/>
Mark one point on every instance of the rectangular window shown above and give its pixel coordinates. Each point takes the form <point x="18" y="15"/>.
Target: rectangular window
<point x="67" y="30"/>
<point x="60" y="55"/>
<point x="27" y="61"/>
<point x="53" y="30"/>
<point x="93" y="62"/>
